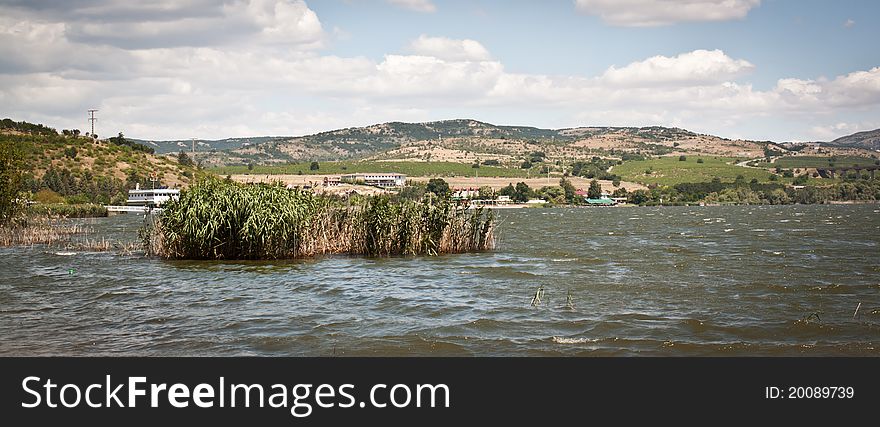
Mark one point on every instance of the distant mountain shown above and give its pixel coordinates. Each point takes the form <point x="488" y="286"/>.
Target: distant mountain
<point x="869" y="140"/>
<point x="228" y="144"/>
<point x="459" y="140"/>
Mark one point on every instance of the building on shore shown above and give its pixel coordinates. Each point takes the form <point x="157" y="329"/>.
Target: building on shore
<point x="381" y="180"/>
<point x="332" y="181"/>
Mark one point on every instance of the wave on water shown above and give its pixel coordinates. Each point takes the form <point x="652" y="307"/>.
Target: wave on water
<point x="569" y="340"/>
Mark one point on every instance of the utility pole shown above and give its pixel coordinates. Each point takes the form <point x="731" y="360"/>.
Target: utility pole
<point x="92" y="120"/>
<point x="193" y="147"/>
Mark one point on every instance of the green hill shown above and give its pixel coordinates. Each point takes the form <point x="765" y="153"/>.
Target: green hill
<point x="66" y="167"/>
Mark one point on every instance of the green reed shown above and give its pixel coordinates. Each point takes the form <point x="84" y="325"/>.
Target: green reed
<point x="221" y="220"/>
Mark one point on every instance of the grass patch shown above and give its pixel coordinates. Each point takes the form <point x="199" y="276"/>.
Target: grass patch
<point x="672" y="171"/>
<point x="214" y="219"/>
<point x="407" y="168"/>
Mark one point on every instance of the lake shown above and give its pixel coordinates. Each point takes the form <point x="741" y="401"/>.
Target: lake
<point x="664" y="281"/>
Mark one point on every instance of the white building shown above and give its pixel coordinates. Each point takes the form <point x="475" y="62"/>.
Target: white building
<point x="381" y="180"/>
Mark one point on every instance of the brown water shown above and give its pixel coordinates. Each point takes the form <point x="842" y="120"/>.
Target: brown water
<point x="684" y="281"/>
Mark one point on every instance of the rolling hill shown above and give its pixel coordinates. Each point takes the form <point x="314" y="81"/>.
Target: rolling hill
<point x="463" y="140"/>
<point x="868" y="140"/>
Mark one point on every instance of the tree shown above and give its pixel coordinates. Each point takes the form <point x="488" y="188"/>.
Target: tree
<point x="250" y="166"/>
<point x="70" y="152"/>
<point x="476" y="165"/>
<point x="438" y="186"/>
<point x="552" y="194"/>
<point x="568" y="189"/>
<point x="183" y="159"/>
<point x="314" y="166"/>
<point x="412" y="192"/>
<point x="526" y="165"/>
<point x="682" y="158"/>
<point x="700" y="160"/>
<point x="486" y="192"/>
<point x="523" y="192"/>
<point x="616" y="182"/>
<point x="595" y="190"/>
<point x="639" y="197"/>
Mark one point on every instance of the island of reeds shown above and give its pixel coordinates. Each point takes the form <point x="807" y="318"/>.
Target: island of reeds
<point x="215" y="219"/>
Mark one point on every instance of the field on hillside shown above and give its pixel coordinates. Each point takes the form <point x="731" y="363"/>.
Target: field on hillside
<point x="343" y="167"/>
<point x="671" y="171"/>
<point x="819" y="162"/>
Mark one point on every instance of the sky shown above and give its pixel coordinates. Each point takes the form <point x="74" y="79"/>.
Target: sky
<point x="781" y="70"/>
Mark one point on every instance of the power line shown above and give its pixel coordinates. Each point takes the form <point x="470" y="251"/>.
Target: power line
<point x="92" y="120"/>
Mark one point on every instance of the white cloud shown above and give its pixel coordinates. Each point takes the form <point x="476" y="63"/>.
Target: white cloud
<point x="449" y="49"/>
<point x="649" y="13"/>
<point x="860" y="88"/>
<point x="849" y="23"/>
<point x="424" y="6"/>
<point x="271" y="77"/>
<point x="835" y="130"/>
<point x="163" y="23"/>
<point x="697" y="67"/>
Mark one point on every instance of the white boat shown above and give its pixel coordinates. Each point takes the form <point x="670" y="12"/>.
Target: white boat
<point x="152" y="198"/>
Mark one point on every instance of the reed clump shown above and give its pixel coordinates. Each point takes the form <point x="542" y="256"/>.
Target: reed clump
<point x="222" y="220"/>
<point x="39" y="231"/>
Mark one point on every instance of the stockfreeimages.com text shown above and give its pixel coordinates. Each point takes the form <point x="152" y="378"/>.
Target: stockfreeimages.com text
<point x="299" y="398"/>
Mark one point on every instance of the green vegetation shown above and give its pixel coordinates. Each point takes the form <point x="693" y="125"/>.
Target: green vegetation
<point x="66" y="168"/>
<point x="121" y="141"/>
<point x="438" y="186"/>
<point x="11" y="164"/>
<point x="819" y="162"/>
<point x="595" y="190"/>
<point x="595" y="168"/>
<point x="214" y="219"/>
<point x="344" y="167"/>
<point x="740" y="192"/>
<point x="87" y="210"/>
<point x="30" y="128"/>
<point x="671" y="171"/>
<point x="521" y="193"/>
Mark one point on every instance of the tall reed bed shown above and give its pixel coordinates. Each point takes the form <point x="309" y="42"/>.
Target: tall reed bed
<point x="88" y="210"/>
<point x="221" y="220"/>
<point x="39" y="231"/>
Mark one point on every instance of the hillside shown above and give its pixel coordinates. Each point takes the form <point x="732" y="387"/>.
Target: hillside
<point x="464" y="140"/>
<point x="227" y="144"/>
<point x="81" y="169"/>
<point x="868" y="140"/>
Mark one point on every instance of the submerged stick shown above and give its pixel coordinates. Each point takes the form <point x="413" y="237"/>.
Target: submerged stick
<point x="857" y="311"/>
<point x="539" y="294"/>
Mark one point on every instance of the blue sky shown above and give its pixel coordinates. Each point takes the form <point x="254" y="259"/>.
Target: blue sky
<point x="163" y="69"/>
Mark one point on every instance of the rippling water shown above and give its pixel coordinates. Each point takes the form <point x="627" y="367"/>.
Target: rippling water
<point x="752" y="280"/>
